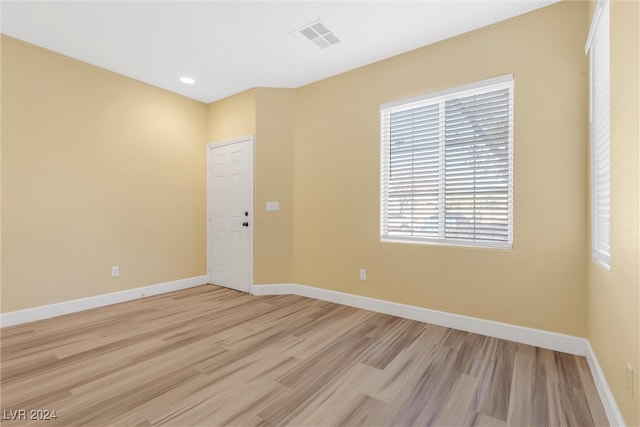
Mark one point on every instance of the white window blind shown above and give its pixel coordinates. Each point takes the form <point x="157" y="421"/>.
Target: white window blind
<point x="598" y="46"/>
<point x="447" y="166"/>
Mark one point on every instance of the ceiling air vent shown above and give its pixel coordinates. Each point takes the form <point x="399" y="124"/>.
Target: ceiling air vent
<point x="317" y="34"/>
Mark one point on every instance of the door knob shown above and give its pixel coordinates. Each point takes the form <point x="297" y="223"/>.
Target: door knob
<point x="245" y="224"/>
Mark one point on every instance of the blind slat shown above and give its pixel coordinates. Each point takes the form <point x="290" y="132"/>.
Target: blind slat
<point x="447" y="168"/>
<point x="600" y="138"/>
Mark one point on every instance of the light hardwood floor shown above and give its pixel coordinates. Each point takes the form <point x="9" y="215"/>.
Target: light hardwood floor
<point x="210" y="356"/>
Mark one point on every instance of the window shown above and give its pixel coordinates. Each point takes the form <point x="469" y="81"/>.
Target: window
<point x="447" y="166"/>
<point x="598" y="47"/>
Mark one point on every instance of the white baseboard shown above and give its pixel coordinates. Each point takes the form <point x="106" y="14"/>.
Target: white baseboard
<point x="535" y="337"/>
<point x="539" y="338"/>
<point x="282" y="289"/>
<point x="53" y="310"/>
<point x="610" y="407"/>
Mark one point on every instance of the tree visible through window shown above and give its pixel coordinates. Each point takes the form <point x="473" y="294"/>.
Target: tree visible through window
<point x="447" y="166"/>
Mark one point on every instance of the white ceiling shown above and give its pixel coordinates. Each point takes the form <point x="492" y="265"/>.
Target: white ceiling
<point x="231" y="46"/>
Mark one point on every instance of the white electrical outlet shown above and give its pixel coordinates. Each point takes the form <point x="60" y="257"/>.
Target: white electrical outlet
<point x="629" y="379"/>
<point x="363" y="274"/>
<point x="115" y="271"/>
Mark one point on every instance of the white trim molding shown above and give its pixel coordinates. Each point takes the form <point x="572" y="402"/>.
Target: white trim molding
<point x="521" y="334"/>
<point x="606" y="396"/>
<point x="536" y="337"/>
<point x="73" y="306"/>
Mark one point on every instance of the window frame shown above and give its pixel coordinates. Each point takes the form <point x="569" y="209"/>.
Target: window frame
<point x="599" y="139"/>
<point x="467" y="90"/>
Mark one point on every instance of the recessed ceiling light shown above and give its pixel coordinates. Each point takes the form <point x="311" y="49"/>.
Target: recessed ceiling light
<point x="187" y="80"/>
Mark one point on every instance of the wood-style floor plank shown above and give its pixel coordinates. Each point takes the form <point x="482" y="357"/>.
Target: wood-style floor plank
<point x="211" y="356"/>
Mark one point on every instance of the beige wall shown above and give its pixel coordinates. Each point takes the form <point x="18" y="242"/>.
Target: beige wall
<point x="614" y="297"/>
<point x="268" y="114"/>
<point x="541" y="282"/>
<point x="97" y="170"/>
<point x="327" y="186"/>
<point x="275" y="110"/>
<point x="232" y="117"/>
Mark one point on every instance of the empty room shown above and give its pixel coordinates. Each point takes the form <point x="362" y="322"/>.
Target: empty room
<point x="320" y="213"/>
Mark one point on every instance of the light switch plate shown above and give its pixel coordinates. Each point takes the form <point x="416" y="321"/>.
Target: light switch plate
<point x="273" y="206"/>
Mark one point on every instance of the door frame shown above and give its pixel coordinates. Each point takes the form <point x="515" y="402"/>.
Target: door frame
<point x="252" y="216"/>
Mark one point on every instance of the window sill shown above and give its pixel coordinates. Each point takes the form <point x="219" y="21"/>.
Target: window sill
<point x="449" y="243"/>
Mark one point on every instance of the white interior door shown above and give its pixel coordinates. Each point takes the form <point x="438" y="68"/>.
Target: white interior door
<point x="230" y="213"/>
